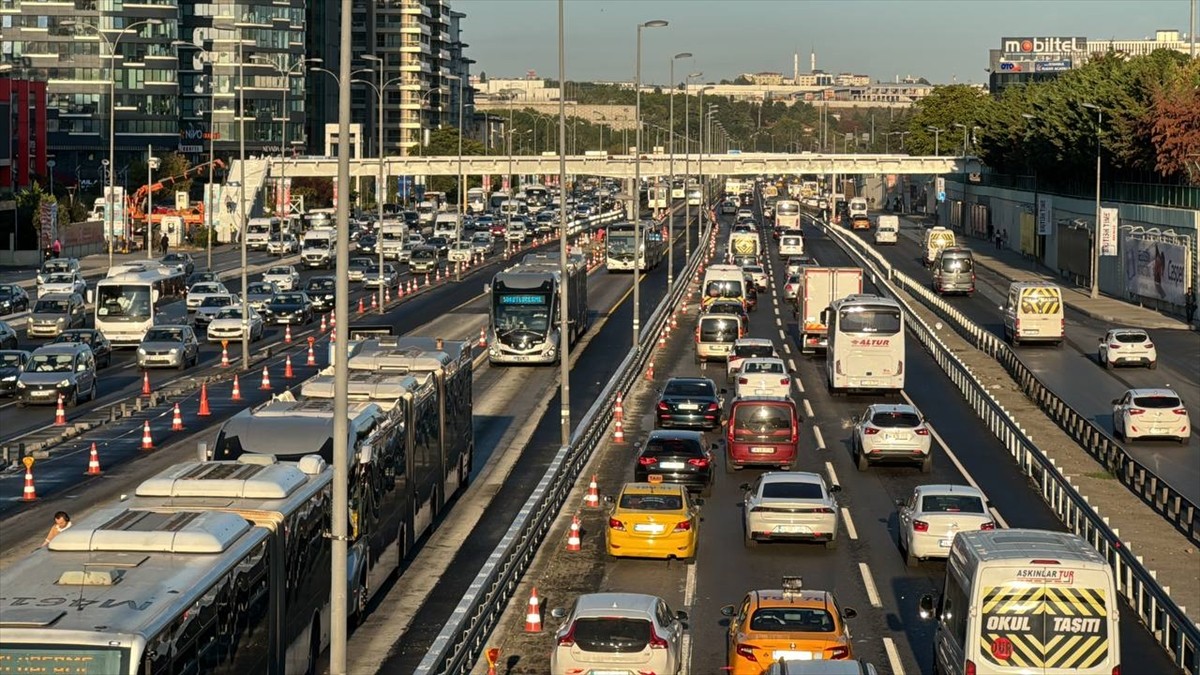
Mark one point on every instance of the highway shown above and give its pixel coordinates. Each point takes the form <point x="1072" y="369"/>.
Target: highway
<point x="1073" y="373"/>
<point x="865" y="571"/>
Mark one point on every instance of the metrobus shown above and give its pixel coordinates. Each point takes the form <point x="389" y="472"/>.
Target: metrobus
<point x="620" y="246"/>
<point x="524" y="322"/>
<point x="536" y="197"/>
<point x="866" y="344"/>
<point x="787" y="214"/>
<point x="125" y="302"/>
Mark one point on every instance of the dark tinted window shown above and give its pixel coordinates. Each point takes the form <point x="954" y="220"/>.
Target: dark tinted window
<point x="673" y="446"/>
<point x="726" y="308"/>
<point x="762" y="420"/>
<point x="952" y="504"/>
<point x="651" y="502"/>
<point x="11" y="360"/>
<point x="895" y="420"/>
<point x="1157" y="402"/>
<point x="1131" y="338"/>
<point x="289" y="298"/>
<point x="752" y="351"/>
<point x="718" y="330"/>
<point x="877" y="321"/>
<point x="792" y="490"/>
<point x="678" y="388"/>
<point x="51" y="306"/>
<point x="792" y="619"/>
<point x="611" y="635"/>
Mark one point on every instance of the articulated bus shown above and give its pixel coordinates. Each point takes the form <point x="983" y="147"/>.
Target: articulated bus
<point x="125" y="302"/>
<point x="787" y="214"/>
<point x="524" y="322"/>
<point x="866" y="344"/>
<point x="621" y="246"/>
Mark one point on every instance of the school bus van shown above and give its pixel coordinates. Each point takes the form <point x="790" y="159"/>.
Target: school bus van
<point x="936" y="239"/>
<point x="1025" y="601"/>
<point x="1033" y="312"/>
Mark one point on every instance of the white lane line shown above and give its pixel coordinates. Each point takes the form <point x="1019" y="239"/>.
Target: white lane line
<point x="819" y="437"/>
<point x="850" y="529"/>
<point x="689" y="598"/>
<point x="808" y="409"/>
<point x="799" y="384"/>
<point x="953" y="458"/>
<point x="833" y="477"/>
<point x="776" y="308"/>
<point x="783" y="336"/>
<point x="787" y="349"/>
<point x="791" y="364"/>
<point x="893" y="654"/>
<point x="869" y="582"/>
<point x="778" y="322"/>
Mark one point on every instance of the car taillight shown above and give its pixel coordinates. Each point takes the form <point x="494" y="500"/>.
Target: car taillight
<point x="656" y="642"/>
<point x="989" y="525"/>
<point x="918" y="526"/>
<point x="838" y="652"/>
<point x="647" y="461"/>
<point x="784" y="381"/>
<point x="662" y="405"/>
<point x="1180" y="411"/>
<point x="614" y="524"/>
<point x="568" y="640"/>
<point x="870" y="431"/>
<point x="1116" y="670"/>
<point x="922" y="431"/>
<point x="700" y="462"/>
<point x="742" y="380"/>
<point x="1147" y="345"/>
<point x="683" y="526"/>
<point x="746" y="652"/>
<point x="713" y="406"/>
<point x="970" y="668"/>
<point x="1114" y="346"/>
<point x="1136" y="411"/>
<point x="837" y="366"/>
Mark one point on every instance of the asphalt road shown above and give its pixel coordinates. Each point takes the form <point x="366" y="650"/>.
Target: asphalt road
<point x="1073" y="372"/>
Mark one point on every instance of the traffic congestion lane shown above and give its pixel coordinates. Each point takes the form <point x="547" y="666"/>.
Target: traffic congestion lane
<point x="1073" y="373"/>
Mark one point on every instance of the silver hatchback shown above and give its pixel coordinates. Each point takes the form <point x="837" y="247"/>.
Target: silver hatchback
<point x="626" y="633"/>
<point x="891" y="432"/>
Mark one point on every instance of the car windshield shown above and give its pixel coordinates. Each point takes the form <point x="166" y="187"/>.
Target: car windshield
<point x="75" y="336"/>
<point x="695" y="389"/>
<point x="792" y="490"/>
<point x="164" y="335"/>
<point x="484" y="238"/>
<point x="651" y="502"/>
<point x="56" y="266"/>
<point x="288" y="299"/>
<point x="51" y="307"/>
<point x="951" y="504"/>
<point x="753" y="269"/>
<point x="232" y="313"/>
<point x="260" y="289"/>
<point x="611" y="635"/>
<point x="11" y="360"/>
<point x="775" y="367"/>
<point x="173" y="257"/>
<point x="792" y="620"/>
<point x="282" y="271"/>
<point x="61" y="278"/>
<point x="322" y="285"/>
<point x="217" y="301"/>
<point x="1157" y="402"/>
<point x="864" y="320"/>
<point x="423" y="254"/>
<point x="360" y="262"/>
<point x="8" y="291"/>
<point x="895" y="419"/>
<point x="717" y="329"/>
<point x="956" y="264"/>
<point x="205" y="288"/>
<point x="50" y="363"/>
<point x="1131" y="338"/>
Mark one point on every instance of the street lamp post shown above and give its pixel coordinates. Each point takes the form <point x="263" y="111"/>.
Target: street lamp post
<point x="285" y="117"/>
<point x="638" y="248"/>
<point x="937" y="151"/>
<point x="687" y="162"/>
<point x="564" y="337"/>
<point x="151" y="165"/>
<point x="671" y="181"/>
<point x="210" y="191"/>
<point x="705" y="113"/>
<point x="1095" y="291"/>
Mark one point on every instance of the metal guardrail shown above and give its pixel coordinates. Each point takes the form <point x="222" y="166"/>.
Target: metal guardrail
<point x="1171" y="628"/>
<point x="463" y="637"/>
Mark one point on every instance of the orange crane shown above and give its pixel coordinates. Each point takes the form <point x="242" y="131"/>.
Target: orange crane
<point x="192" y="215"/>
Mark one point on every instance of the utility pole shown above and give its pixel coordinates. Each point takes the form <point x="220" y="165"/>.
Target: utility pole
<point x="564" y="325"/>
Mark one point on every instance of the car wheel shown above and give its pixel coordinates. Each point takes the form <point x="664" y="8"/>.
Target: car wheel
<point x="1118" y="432"/>
<point x="1153" y="365"/>
<point x="861" y="459"/>
<point x="747" y="539"/>
<point x="73" y="400"/>
<point x="832" y="543"/>
<point x="927" y="463"/>
<point x="910" y="560"/>
<point x="1103" y="361"/>
<point x="92" y="395"/>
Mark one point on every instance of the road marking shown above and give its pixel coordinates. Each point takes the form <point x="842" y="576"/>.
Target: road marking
<point x="799" y="384"/>
<point x="833" y="477"/>
<point x="893" y="654"/>
<point x="791" y="364"/>
<point x="776" y="308"/>
<point x="783" y="336"/>
<point x="869" y="582"/>
<point x="961" y="469"/>
<point x="819" y="437"/>
<point x="779" y="322"/>
<point x="808" y="408"/>
<point x="689" y="598"/>
<point x="787" y="349"/>
<point x="850" y="529"/>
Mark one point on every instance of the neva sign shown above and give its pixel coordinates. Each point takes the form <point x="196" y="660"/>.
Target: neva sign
<point x="1043" y="45"/>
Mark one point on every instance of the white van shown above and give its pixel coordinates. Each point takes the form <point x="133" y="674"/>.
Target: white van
<point x="1033" y="312"/>
<point x="887" y="229"/>
<point x="1025" y="601"/>
<point x="791" y="244"/>
<point x="936" y="239"/>
<point x="476" y="200"/>
<point x="858" y="207"/>
<point x="723" y="282"/>
<point x="448" y="225"/>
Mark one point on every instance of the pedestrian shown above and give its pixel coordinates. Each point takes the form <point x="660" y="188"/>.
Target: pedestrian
<point x="998" y="239"/>
<point x="62" y="522"/>
<point x="57" y="247"/>
<point x="1189" y="304"/>
<point x="1004" y="239"/>
<point x="164" y="243"/>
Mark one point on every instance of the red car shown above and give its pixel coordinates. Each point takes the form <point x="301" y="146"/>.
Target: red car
<point x="762" y="430"/>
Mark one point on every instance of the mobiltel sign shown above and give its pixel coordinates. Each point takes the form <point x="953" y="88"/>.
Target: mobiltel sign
<point x="1043" y="45"/>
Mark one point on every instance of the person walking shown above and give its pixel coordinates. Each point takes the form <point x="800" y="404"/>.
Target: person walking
<point x="164" y="243"/>
<point x="1189" y="305"/>
<point x="56" y="247"/>
<point x="62" y="522"/>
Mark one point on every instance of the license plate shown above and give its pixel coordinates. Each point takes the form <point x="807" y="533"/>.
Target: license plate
<point x="793" y="529"/>
<point x="762" y="451"/>
<point x="945" y="543"/>
<point x="652" y="528"/>
<point x="1158" y="430"/>
<point x="1032" y="331"/>
<point x="41" y="393"/>
<point x="721" y="349"/>
<point x="795" y="656"/>
<point x="672" y="465"/>
<point x="867" y="383"/>
<point x="689" y="406"/>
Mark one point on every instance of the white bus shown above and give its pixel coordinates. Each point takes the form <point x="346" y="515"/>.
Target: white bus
<point x="787" y="214"/>
<point x="866" y="344"/>
<point x="620" y="246"/>
<point x="125" y="303"/>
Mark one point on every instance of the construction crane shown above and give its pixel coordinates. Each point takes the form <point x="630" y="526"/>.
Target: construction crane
<point x="192" y="215"/>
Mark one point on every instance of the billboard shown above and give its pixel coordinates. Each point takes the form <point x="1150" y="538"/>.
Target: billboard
<point x="1156" y="269"/>
<point x="1043" y="45"/>
<point x="1051" y="66"/>
<point x="1108" y="232"/>
<point x="1045" y="215"/>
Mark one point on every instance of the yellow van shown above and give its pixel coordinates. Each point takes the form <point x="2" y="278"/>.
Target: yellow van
<point x="1033" y="312"/>
<point x="936" y="239"/>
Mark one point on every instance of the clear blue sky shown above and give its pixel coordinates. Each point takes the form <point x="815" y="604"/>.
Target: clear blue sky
<point x="941" y="40"/>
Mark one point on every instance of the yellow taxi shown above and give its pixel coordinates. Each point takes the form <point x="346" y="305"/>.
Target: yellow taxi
<point x="787" y="624"/>
<point x="653" y="520"/>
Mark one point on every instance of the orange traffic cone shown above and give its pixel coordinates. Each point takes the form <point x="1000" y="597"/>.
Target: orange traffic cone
<point x="332" y="321"/>
<point x="399" y="291"/>
<point x="387" y="294"/>
<point x="483" y="338"/>
<point x="324" y="326"/>
<point x="266" y="380"/>
<point x="224" y="355"/>
<point x="177" y="419"/>
<point x="592" y="500"/>
<point x="29" y="494"/>
<point x="147" y="440"/>
<point x="662" y="340"/>
<point x="287" y="368"/>
<point x="650" y="372"/>
<point x="204" y="411"/>
<point x="94" y="463"/>
<point x="237" y="390"/>
<point x="619" y="408"/>
<point x="674" y="321"/>
<point x="619" y="431"/>
<point x="145" y="383"/>
<point x="361" y="307"/>
<point x="533" y="617"/>
<point x="60" y="413"/>
<point x="312" y="355"/>
<point x="287" y="334"/>
<point x="374" y="302"/>
<point x="573" y="543"/>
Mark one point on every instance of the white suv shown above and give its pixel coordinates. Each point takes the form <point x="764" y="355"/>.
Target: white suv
<point x="622" y="632"/>
<point x="1127" y="347"/>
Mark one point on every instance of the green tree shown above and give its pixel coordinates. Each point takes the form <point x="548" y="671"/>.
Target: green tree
<point x="942" y="109"/>
<point x="444" y="142"/>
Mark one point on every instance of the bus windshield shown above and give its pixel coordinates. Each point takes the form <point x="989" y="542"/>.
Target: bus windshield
<point x="64" y="658"/>
<point x="514" y="312"/>
<point x="881" y="321"/>
<point x="123" y="300"/>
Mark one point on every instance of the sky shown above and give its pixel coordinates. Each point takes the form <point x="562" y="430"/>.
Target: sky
<point x="943" y="41"/>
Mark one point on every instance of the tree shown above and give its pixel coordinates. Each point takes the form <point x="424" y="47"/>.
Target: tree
<point x="443" y="142"/>
<point x="317" y="192"/>
<point x="943" y="108"/>
<point x="1174" y="125"/>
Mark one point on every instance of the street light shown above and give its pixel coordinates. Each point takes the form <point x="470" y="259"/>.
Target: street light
<point x="671" y="181"/>
<point x="1096" y="238"/>
<point x="687" y="162"/>
<point x="296" y="68"/>
<point x="704" y="110"/>
<point x="209" y="212"/>
<point x="637" y="182"/>
<point x="936" y="136"/>
<point x="112" y="116"/>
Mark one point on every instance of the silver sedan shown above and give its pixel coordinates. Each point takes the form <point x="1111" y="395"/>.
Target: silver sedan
<point x="169" y="346"/>
<point x="791" y="505"/>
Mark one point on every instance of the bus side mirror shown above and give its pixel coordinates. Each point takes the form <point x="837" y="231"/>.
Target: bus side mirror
<point x="202" y="452"/>
<point x="825" y="316"/>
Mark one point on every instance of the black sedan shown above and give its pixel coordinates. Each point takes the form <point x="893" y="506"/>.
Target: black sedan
<point x="320" y="291"/>
<point x="442" y="245"/>
<point x="678" y="457"/>
<point x="367" y="244"/>
<point x="201" y="277"/>
<point x="12" y="364"/>
<point x="101" y="347"/>
<point x="730" y="307"/>
<point x="289" y="308"/>
<point x="13" y="299"/>
<point x="692" y="402"/>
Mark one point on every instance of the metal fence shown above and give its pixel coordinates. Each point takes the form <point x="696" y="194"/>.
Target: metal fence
<point x="1173" y="630"/>
<point x="1157" y="194"/>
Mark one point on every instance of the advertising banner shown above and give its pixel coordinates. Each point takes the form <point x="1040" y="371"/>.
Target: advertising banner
<point x="1108" y="232"/>
<point x="181" y="200"/>
<point x="335" y="192"/>
<point x="287" y="196"/>
<point x="1156" y="269"/>
<point x="118" y="215"/>
<point x="48" y="220"/>
<point x="1043" y="45"/>
<point x="1045" y="215"/>
<point x="212" y="202"/>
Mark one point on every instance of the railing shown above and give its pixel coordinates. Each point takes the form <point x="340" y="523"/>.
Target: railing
<point x="1173" y="630"/>
<point x="1157" y="194"/>
<point x="462" y="639"/>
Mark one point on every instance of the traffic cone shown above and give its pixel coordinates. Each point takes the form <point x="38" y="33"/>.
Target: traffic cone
<point x="204" y="411"/>
<point x="650" y="372"/>
<point x="60" y="413"/>
<point x="592" y="500"/>
<point x="533" y="617"/>
<point x="29" y="494"/>
<point x="361" y="308"/>
<point x="662" y="340"/>
<point x="237" y="390"/>
<point x="266" y="380"/>
<point x="573" y="543"/>
<point x="224" y="355"/>
<point x="618" y="431"/>
<point x="333" y="335"/>
<point x="483" y="338"/>
<point x="387" y="295"/>
<point x="312" y="354"/>
<point x="177" y="419"/>
<point x="400" y="291"/>
<point x="619" y="408"/>
<point x="374" y="302"/>
<point x="145" y="383"/>
<point x="287" y="334"/>
<point x="147" y="440"/>
<point x="93" y="463"/>
<point x="332" y="321"/>
<point x="287" y="368"/>
<point x="324" y="327"/>
<point x="674" y="321"/>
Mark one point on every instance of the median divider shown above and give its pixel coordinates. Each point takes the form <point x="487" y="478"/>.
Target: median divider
<point x="1166" y="621"/>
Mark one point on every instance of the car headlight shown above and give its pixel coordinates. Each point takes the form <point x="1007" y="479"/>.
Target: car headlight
<point x="141" y="351"/>
<point x="174" y="350"/>
<point x="64" y="383"/>
<point x="60" y="319"/>
<point x="20" y="384"/>
<point x="10" y="378"/>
